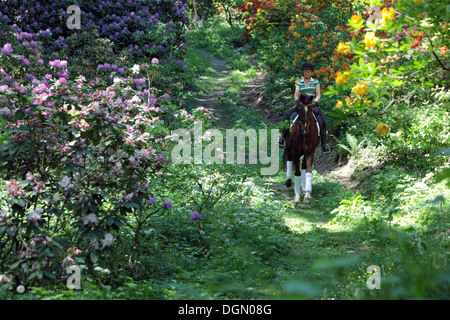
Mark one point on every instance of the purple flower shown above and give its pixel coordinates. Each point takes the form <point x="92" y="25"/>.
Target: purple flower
<point x="150" y="201"/>
<point x="152" y="98"/>
<point x="4" y="88"/>
<point x="7" y="49"/>
<point x="40" y="61"/>
<point x="167" y="204"/>
<point x="155" y="61"/>
<point x="142" y="80"/>
<point x="160" y="158"/>
<point x="58" y="63"/>
<point x="194" y="215"/>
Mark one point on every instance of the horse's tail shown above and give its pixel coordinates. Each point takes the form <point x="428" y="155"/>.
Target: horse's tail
<point x="283" y="164"/>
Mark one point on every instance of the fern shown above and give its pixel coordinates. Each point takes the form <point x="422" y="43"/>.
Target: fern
<point x="353" y="145"/>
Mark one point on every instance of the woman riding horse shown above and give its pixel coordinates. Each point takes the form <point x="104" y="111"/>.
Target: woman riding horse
<point x="302" y="141"/>
<point x="309" y="85"/>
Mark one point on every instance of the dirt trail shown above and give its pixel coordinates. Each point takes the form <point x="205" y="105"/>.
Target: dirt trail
<point x="218" y="82"/>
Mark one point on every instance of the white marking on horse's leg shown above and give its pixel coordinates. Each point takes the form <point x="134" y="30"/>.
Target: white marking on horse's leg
<point x="308" y="187"/>
<point x="307" y="198"/>
<point x="308" y="182"/>
<point x="297" y="186"/>
<point x="303" y="179"/>
<point x="289" y="170"/>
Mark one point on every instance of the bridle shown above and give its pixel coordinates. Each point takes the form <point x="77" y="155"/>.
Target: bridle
<point x="307" y="122"/>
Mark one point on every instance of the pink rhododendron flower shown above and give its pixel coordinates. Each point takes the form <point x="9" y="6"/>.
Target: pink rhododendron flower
<point x="108" y="241"/>
<point x="14" y="187"/>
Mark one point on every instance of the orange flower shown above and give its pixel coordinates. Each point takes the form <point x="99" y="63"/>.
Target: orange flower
<point x="443" y="50"/>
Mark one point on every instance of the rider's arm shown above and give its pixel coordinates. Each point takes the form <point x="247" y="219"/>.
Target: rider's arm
<point x="297" y="93"/>
<point x="317" y="93"/>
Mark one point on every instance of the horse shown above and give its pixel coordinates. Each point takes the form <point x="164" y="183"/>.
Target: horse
<point x="301" y="141"/>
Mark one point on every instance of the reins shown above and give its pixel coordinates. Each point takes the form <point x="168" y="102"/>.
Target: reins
<point x="305" y="121"/>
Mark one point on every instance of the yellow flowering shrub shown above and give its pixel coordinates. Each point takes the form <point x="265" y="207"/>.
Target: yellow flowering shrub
<point x="361" y="88"/>
<point x="370" y="40"/>
<point x="342" y="77"/>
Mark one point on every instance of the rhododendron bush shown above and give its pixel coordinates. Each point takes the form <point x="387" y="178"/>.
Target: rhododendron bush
<point x="79" y="158"/>
<point x="115" y="32"/>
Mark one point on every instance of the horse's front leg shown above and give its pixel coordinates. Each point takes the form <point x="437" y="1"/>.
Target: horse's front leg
<point x="297" y="179"/>
<point x="308" y="160"/>
<point x="303" y="176"/>
<point x="288" y="182"/>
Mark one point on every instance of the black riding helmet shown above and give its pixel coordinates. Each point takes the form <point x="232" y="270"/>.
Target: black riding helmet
<point x="307" y="66"/>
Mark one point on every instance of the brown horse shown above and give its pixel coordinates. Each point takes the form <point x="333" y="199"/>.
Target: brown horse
<point x="302" y="141"/>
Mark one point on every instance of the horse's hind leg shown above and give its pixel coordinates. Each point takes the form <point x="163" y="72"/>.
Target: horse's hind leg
<point x="308" y="177"/>
<point x="303" y="175"/>
<point x="297" y="179"/>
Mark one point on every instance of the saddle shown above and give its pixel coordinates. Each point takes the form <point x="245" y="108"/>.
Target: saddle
<point x="294" y="117"/>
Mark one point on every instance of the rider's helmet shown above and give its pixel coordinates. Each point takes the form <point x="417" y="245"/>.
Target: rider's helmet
<point x="307" y="66"/>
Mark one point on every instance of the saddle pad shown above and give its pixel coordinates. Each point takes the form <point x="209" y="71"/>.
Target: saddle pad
<point x="317" y="122"/>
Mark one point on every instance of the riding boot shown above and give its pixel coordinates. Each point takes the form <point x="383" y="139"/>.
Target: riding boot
<point x="323" y="129"/>
<point x="283" y="138"/>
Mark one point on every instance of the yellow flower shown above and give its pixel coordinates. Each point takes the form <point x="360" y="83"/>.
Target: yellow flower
<point x="341" y="77"/>
<point x="343" y="48"/>
<point x="361" y="88"/>
<point x="339" y="106"/>
<point x="388" y="14"/>
<point x="377" y="80"/>
<point x="382" y="129"/>
<point x="356" y="19"/>
<point x="370" y="40"/>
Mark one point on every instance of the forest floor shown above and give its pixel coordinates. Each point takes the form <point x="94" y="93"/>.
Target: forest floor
<point x="314" y="238"/>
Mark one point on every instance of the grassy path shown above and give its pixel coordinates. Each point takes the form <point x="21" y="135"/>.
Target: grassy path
<point x="316" y="243"/>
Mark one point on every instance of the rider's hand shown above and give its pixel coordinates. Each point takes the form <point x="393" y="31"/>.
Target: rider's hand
<point x="315" y="104"/>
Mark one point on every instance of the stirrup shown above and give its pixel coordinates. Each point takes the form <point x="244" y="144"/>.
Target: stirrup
<point x="326" y="148"/>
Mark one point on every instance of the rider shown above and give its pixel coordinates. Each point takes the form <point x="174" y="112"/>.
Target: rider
<point x="309" y="85"/>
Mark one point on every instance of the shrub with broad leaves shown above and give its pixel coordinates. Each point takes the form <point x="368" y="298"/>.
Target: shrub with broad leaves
<point x="78" y="158"/>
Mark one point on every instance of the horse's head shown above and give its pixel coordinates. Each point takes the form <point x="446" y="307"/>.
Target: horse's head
<point x="305" y="104"/>
<point x="306" y="101"/>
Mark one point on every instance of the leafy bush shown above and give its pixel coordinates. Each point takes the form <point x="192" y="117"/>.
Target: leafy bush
<point x="78" y="158"/>
<point x="113" y="34"/>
